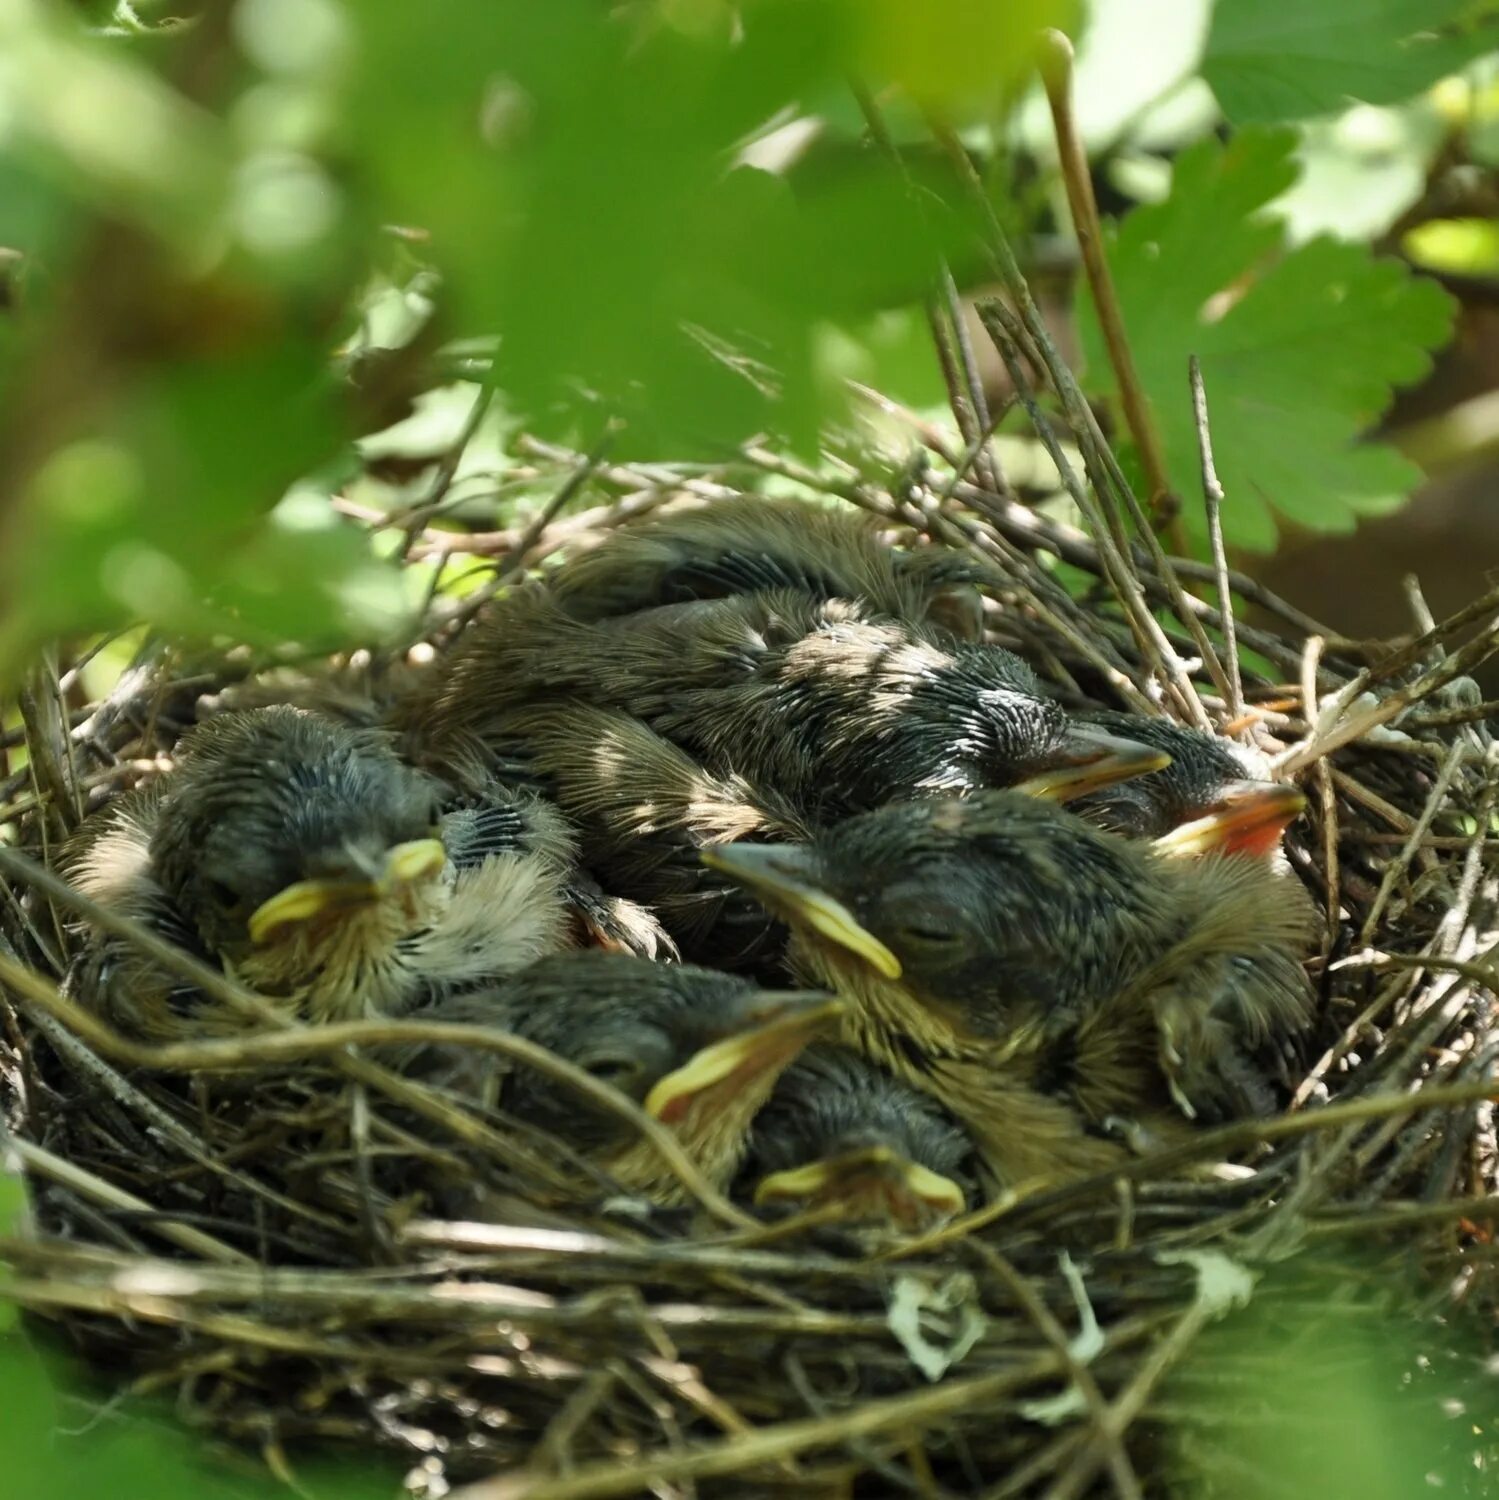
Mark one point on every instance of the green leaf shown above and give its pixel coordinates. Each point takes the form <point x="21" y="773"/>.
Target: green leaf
<point x="604" y="229"/>
<point x="53" y="1444"/>
<point x="12" y="1220"/>
<point x="953" y="51"/>
<point x="1299" y="354"/>
<point x="161" y="515"/>
<point x="1284" y="61"/>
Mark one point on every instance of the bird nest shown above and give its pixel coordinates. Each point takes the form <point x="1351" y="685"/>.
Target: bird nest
<point x="266" y="1242"/>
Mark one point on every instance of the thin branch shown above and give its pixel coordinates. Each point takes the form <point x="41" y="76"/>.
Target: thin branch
<point x="1056" y="74"/>
<point x="1212" y="497"/>
<point x="302" y="1043"/>
<point x="43" y="1163"/>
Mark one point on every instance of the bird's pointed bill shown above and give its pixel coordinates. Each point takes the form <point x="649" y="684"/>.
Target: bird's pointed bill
<point x="775" y="1032"/>
<point x="874" y="1183"/>
<point x="309" y="901"/>
<point x="410" y="864"/>
<point x="406" y="866"/>
<point x="1248" y="818"/>
<point x="783" y="876"/>
<point x="1089" y="760"/>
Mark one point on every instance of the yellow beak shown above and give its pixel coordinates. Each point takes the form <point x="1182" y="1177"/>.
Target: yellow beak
<point x="777" y="1029"/>
<point x="1091" y="759"/>
<point x="406" y="866"/>
<point x="781" y="875"/>
<point x="1248" y="819"/>
<point x="875" y="1182"/>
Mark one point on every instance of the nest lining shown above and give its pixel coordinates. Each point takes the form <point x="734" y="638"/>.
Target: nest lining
<point x="268" y="1243"/>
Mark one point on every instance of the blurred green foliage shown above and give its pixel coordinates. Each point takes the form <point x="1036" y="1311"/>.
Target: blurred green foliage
<point x="1334" y="1382"/>
<point x="1289" y="62"/>
<point x="240" y="249"/>
<point x="204" y="217"/>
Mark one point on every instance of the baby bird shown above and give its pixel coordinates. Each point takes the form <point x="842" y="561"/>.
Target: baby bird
<point x="1044" y="980"/>
<point x="823" y="703"/>
<point x="308" y="861"/>
<point x="698" y="1050"/>
<point x="644" y="810"/>
<point x="839" y="1130"/>
<point x="750" y="544"/>
<point x="1208" y="797"/>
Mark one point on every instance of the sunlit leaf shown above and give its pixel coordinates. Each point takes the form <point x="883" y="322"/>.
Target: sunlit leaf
<point x="1460" y="247"/>
<point x="1286" y="61"/>
<point x="1299" y="353"/>
<point x="955" y="51"/>
<point x="595" y="219"/>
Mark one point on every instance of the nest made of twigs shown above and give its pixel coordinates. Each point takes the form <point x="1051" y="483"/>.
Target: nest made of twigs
<point x="265" y="1244"/>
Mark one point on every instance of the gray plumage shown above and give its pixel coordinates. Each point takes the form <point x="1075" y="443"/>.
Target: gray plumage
<point x="630" y="1024"/>
<point x="751" y="544"/>
<point x="1040" y="960"/>
<point x="263" y="801"/>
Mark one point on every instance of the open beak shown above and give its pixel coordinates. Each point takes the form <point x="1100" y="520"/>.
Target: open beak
<point x="1248" y="818"/>
<point x="873" y="1183"/>
<point x="407" y="866"/>
<point x="777" y="1025"/>
<point x="784" y="877"/>
<point x="1090" y="759"/>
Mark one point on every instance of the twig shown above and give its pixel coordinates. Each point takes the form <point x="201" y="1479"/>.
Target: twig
<point x="1212" y="498"/>
<point x="1398" y="866"/>
<point x="300" y="1043"/>
<point x="447" y="468"/>
<point x="1056" y="74"/>
<point x="80" y="1057"/>
<point x="732" y="1455"/>
<point x="70" y="1175"/>
<point x="1345" y="728"/>
<point x="1111" y="543"/>
<point x="1106" y="1433"/>
<point x="580" y="475"/>
<point x="1327" y="798"/>
<point x="1132" y="1402"/>
<point x="983" y="424"/>
<point x="1220" y="1142"/>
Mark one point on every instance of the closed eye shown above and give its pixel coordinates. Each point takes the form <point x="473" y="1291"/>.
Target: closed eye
<point x="928" y="936"/>
<point x="618" y="1072"/>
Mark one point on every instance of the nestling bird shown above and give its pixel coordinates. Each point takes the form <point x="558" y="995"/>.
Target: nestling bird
<point x="1208" y="779"/>
<point x="839" y="1130"/>
<point x="643" y="811"/>
<point x="1042" y="979"/>
<point x="750" y="544"/>
<point x="317" y="868"/>
<point x="698" y="1050"/>
<point x="821" y="702"/>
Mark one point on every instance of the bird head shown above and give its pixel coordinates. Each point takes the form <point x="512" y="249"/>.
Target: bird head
<point x="968" y="921"/>
<point x="698" y="1050"/>
<point x="839" y="1132"/>
<point x="869" y="1182"/>
<point x="1207" y="799"/>
<point x="284" y="833"/>
<point x="961" y="717"/>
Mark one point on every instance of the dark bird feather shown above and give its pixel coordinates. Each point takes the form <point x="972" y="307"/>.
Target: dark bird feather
<point x="304" y="857"/>
<point x="753" y="544"/>
<point x="1041" y="978"/>
<point x="839" y="1130"/>
<point x="700" y="1050"/>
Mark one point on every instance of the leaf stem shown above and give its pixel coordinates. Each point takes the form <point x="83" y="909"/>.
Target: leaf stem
<point x="1056" y="75"/>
